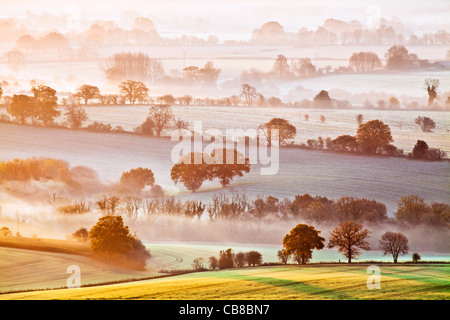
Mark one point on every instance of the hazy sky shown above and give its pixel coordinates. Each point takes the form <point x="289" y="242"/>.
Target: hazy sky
<point x="239" y="16"/>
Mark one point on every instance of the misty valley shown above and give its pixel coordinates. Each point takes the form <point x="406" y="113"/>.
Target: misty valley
<point x="181" y="154"/>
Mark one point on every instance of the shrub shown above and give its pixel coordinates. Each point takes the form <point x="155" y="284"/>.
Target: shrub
<point x="199" y="264"/>
<point x="81" y="235"/>
<point x="109" y="238"/>
<point x="213" y="263"/>
<point x="254" y="258"/>
<point x="77" y="208"/>
<point x="146" y="128"/>
<point x="416" y="257"/>
<point x="98" y="126"/>
<point x="35" y="169"/>
<point x="226" y="259"/>
<point x="5" y="232"/>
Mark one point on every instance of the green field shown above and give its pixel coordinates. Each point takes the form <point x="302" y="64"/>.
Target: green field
<point x="327" y="281"/>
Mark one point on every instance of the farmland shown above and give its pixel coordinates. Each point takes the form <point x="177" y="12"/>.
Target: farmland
<point x="276" y="282"/>
<point x="24" y="269"/>
<point x="300" y="171"/>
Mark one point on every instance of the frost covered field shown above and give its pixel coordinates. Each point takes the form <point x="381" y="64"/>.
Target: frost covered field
<point x="338" y="122"/>
<point x="233" y="60"/>
<point x="301" y="171"/>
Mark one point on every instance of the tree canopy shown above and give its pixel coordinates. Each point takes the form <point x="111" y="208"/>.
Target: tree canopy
<point x="394" y="243"/>
<point x="349" y="237"/>
<point x="190" y="173"/>
<point x="110" y="238"/>
<point x="226" y="171"/>
<point x="133" y="91"/>
<point x="137" y="179"/>
<point x="301" y="241"/>
<point x="286" y="131"/>
<point x="373" y="135"/>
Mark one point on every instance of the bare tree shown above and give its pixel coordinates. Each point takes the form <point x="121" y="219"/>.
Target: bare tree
<point x="132" y="206"/>
<point x="75" y="115"/>
<point x="133" y="91"/>
<point x="15" y="59"/>
<point x="160" y="115"/>
<point x="364" y="61"/>
<point x="108" y="205"/>
<point x="127" y="65"/>
<point x="281" y="67"/>
<point x="394" y="243"/>
<point x="52" y="198"/>
<point x="87" y="92"/>
<point x="179" y="123"/>
<point x="431" y="85"/>
<point x="249" y="93"/>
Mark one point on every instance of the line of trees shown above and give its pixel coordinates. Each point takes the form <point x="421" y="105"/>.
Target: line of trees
<point x="397" y="58"/>
<point x="40" y="107"/>
<point x="110" y="239"/>
<point x="338" y="32"/>
<point x="411" y="209"/>
<point x="142" y="32"/>
<point x="349" y="237"/>
<point x="229" y="259"/>
<point x="372" y="137"/>
<point x="375" y="137"/>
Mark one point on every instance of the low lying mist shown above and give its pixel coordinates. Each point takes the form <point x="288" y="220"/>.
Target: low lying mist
<point x="27" y="209"/>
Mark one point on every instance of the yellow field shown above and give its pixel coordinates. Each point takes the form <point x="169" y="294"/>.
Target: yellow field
<point x="275" y="283"/>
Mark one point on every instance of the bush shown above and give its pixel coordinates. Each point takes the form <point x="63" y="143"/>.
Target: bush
<point x="226" y="259"/>
<point x="137" y="179"/>
<point x="416" y="257"/>
<point x="199" y="264"/>
<point x="254" y="258"/>
<point x="422" y="151"/>
<point x="77" y="208"/>
<point x="213" y="263"/>
<point x="146" y="128"/>
<point x="110" y="239"/>
<point x="5" y="232"/>
<point x="98" y="126"/>
<point x="35" y="169"/>
<point x="81" y="235"/>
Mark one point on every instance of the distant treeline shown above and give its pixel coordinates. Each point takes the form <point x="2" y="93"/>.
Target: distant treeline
<point x="129" y="200"/>
<point x="372" y="137"/>
<point x="142" y="32"/>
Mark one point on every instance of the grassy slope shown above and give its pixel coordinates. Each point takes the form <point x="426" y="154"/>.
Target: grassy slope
<point x="32" y="263"/>
<point x="278" y="282"/>
<point x="48" y="245"/>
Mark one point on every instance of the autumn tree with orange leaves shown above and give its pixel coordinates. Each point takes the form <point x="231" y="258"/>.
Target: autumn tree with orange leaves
<point x="349" y="237"/>
<point x="301" y="241"/>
